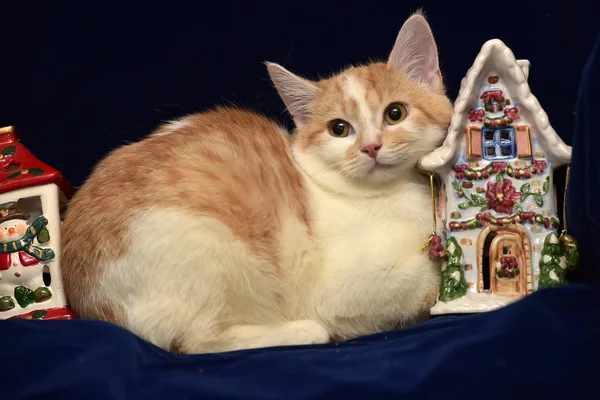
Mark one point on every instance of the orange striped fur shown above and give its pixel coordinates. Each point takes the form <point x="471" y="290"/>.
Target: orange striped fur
<point x="217" y="232"/>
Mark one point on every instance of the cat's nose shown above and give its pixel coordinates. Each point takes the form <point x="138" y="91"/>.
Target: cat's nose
<point x="11" y="231"/>
<point x="371" y="150"/>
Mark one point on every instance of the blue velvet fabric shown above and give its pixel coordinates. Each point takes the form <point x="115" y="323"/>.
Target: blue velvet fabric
<point x="583" y="194"/>
<point x="545" y="345"/>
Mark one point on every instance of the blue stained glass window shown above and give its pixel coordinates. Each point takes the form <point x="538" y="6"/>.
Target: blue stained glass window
<point x="499" y="143"/>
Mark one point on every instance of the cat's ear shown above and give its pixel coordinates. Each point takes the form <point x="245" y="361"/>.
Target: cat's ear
<point x="415" y="53"/>
<point x="297" y="93"/>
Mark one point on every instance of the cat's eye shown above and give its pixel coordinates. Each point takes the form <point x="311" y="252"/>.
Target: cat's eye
<point x="339" y="128"/>
<point x="395" y="113"/>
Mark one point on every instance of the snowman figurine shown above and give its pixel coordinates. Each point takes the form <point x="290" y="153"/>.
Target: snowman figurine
<point x="21" y="271"/>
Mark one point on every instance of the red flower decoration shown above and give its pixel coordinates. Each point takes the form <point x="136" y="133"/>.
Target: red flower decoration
<point x="460" y="170"/>
<point x="509" y="266"/>
<point x="492" y="95"/>
<point x="501" y="196"/>
<point x="436" y="249"/>
<point x="498" y="166"/>
<point x="476" y="115"/>
<point x="539" y="166"/>
<point x="484" y="217"/>
<point x="512" y="113"/>
<point x="526" y="217"/>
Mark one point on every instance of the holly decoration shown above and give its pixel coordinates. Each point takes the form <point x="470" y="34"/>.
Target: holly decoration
<point x="497" y="121"/>
<point x="482" y="219"/>
<point x="32" y="171"/>
<point x="24" y="296"/>
<point x="453" y="284"/>
<point x="509" y="268"/>
<point x="8" y="151"/>
<point x="493" y="102"/>
<point x="553" y="269"/>
<point x="463" y="171"/>
<point x="494" y="107"/>
<point x="42" y="294"/>
<point x="40" y="314"/>
<point x="6" y="303"/>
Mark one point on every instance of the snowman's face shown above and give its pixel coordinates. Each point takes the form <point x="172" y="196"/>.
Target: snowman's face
<point x="12" y="230"/>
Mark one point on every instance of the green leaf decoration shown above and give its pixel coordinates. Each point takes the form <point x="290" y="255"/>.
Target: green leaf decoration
<point x="546" y="185"/>
<point x="463" y="205"/>
<point x="547" y="280"/>
<point x="36" y="171"/>
<point x="539" y="200"/>
<point x="6" y="303"/>
<point x="500" y="273"/>
<point x="500" y="177"/>
<point x="572" y="259"/>
<point x="456" y="185"/>
<point x="8" y="151"/>
<point x="517" y="207"/>
<point x="43" y="236"/>
<point x="24" y="296"/>
<point x="517" y="272"/>
<point x="40" y="314"/>
<point x="452" y="288"/>
<point x="483" y="209"/>
<point x="13" y="175"/>
<point x="454" y="252"/>
<point x="551" y="272"/>
<point x="525" y="188"/>
<point x="478" y="200"/>
<point x="42" y="294"/>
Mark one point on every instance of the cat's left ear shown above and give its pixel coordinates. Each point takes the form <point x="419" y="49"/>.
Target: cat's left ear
<point x="415" y="53"/>
<point x="297" y="93"/>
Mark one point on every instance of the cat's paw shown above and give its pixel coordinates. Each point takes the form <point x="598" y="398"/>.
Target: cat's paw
<point x="305" y="332"/>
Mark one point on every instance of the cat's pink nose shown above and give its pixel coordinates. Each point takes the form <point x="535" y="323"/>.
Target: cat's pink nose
<point x="371" y="150"/>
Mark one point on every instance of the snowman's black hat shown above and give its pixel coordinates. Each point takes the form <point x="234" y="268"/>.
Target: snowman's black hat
<point x="11" y="210"/>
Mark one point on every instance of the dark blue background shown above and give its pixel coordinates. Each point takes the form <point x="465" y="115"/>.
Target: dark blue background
<point x="80" y="78"/>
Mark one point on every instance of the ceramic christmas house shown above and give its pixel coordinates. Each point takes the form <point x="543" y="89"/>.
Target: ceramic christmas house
<point x="497" y="198"/>
<point x="32" y="197"/>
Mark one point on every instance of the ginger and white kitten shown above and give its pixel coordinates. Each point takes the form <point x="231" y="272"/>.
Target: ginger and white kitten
<point x="218" y="232"/>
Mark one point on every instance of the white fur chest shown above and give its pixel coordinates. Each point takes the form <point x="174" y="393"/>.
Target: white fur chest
<point x="372" y="233"/>
<point x="373" y="271"/>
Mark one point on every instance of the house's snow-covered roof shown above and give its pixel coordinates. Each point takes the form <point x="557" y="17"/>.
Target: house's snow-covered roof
<point x="496" y="56"/>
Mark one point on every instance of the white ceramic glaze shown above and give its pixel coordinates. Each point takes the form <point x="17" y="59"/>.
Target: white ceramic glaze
<point x="31" y="276"/>
<point x="547" y="150"/>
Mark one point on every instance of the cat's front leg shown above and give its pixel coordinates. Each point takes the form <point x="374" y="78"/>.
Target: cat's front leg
<point x="293" y="333"/>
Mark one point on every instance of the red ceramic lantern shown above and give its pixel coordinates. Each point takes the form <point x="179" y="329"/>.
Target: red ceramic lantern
<point x="33" y="196"/>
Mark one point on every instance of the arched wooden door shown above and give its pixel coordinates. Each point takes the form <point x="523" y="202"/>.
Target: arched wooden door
<point x="507" y="265"/>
